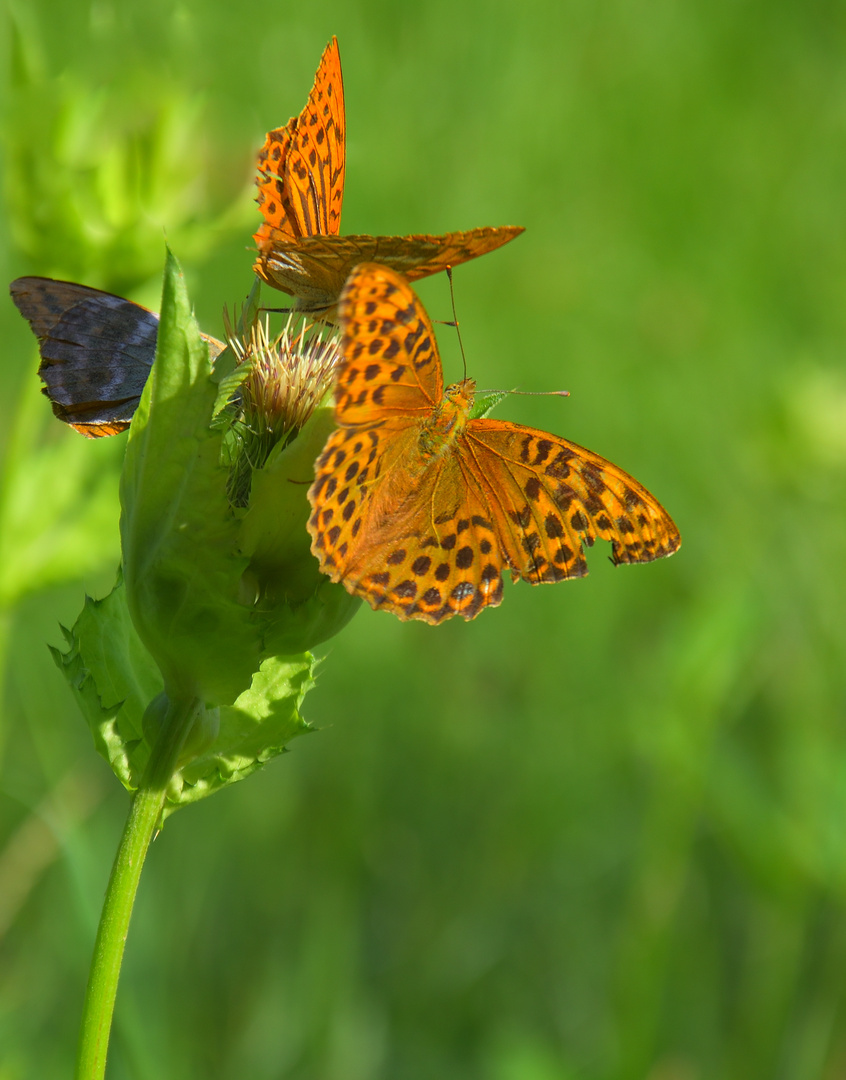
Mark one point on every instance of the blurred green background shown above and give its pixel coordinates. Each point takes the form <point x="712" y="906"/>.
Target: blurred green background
<point x="600" y="832"/>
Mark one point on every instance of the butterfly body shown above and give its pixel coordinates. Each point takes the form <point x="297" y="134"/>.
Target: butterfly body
<point x="419" y="507"/>
<point x="300" y="181"/>
<point x="447" y="424"/>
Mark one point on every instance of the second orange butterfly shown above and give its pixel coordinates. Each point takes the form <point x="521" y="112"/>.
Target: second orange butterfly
<point x="300" y="191"/>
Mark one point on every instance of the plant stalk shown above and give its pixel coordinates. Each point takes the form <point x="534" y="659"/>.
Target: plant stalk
<point x="144" y="813"/>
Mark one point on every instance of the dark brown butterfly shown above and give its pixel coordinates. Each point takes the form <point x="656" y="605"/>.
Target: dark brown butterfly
<point x="96" y="351"/>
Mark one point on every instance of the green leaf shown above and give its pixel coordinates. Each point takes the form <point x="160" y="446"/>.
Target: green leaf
<point x="229" y="384"/>
<point x="114" y="678"/>
<point x="253" y="730"/>
<point x="178" y="530"/>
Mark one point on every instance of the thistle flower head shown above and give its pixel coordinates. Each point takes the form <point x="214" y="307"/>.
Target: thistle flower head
<point x="281" y="382"/>
<point x="289" y="374"/>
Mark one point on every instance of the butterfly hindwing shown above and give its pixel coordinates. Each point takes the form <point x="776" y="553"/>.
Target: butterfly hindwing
<point x="401" y="531"/>
<point x="96" y="351"/>
<point x="553" y="498"/>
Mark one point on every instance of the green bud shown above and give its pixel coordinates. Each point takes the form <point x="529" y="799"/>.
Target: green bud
<point x="301" y="606"/>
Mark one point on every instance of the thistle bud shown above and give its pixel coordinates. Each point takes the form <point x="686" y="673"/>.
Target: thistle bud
<point x="284" y="424"/>
<point x="220" y="595"/>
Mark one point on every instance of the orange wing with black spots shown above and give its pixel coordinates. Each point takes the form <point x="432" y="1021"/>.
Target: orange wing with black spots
<point x="300" y="191"/>
<point x="419" y="508"/>
<point x="314" y="268"/>
<point x="552" y="498"/>
<point x="301" y="165"/>
<point x="389" y="371"/>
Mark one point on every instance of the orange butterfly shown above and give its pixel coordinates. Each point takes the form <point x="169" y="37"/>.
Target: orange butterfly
<point x="96" y="351"/>
<point x="300" y="190"/>
<point x="418" y="508"/>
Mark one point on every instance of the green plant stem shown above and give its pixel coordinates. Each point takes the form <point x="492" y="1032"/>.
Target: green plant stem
<point x="140" y="826"/>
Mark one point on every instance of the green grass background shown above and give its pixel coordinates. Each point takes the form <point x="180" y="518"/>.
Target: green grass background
<point x="600" y="832"/>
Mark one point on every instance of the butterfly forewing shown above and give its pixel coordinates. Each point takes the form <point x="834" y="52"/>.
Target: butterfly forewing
<point x="419" y="509"/>
<point x="274" y="194"/>
<point x="353" y="499"/>
<point x="390" y="371"/>
<point x="301" y="165"/>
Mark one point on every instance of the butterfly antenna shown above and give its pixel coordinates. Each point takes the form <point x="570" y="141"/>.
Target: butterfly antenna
<point x="526" y="393"/>
<point x="455" y="320"/>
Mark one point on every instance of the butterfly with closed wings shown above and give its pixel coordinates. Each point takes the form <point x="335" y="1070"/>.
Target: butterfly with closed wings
<point x="300" y="191"/>
<point x="96" y="351"/>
